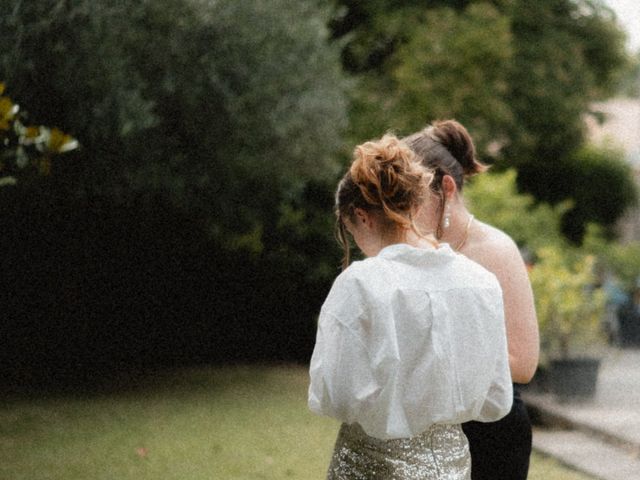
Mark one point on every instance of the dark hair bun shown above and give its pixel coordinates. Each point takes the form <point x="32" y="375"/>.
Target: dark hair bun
<point x="456" y="139"/>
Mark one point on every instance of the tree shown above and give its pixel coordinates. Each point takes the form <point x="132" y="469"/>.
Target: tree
<point x="455" y="65"/>
<point x="567" y="54"/>
<point x="493" y="198"/>
<point x="192" y="99"/>
<point x="630" y="78"/>
<point x="597" y="169"/>
<point x="195" y="222"/>
<point x="416" y="61"/>
<point x="521" y="75"/>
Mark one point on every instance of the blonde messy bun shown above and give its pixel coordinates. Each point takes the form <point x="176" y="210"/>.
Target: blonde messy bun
<point x="385" y="176"/>
<point x="389" y="178"/>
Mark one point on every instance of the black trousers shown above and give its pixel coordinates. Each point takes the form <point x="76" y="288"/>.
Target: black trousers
<point x="501" y="450"/>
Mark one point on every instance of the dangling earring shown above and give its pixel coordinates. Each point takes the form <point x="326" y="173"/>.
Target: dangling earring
<point x="446" y="222"/>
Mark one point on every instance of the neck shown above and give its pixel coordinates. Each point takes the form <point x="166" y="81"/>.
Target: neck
<point x="408" y="237"/>
<point x="459" y="224"/>
<point x="420" y="241"/>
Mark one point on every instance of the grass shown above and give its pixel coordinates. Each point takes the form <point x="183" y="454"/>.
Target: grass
<point x="233" y="423"/>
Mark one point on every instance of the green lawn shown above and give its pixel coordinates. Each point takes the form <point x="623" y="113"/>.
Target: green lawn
<point x="208" y="423"/>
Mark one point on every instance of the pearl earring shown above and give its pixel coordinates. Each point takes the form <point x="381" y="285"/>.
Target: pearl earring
<point x="446" y="223"/>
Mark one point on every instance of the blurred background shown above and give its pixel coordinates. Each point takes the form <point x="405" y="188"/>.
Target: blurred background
<point x="167" y="167"/>
<point x="193" y="223"/>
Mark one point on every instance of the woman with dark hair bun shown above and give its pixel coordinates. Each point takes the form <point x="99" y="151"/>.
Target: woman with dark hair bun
<point x="411" y="341"/>
<point x="500" y="449"/>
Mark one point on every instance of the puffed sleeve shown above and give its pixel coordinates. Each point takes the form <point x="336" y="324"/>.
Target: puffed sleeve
<point x="342" y="379"/>
<point x="499" y="398"/>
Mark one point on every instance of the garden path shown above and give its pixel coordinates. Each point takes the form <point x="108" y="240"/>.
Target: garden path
<point x="600" y="437"/>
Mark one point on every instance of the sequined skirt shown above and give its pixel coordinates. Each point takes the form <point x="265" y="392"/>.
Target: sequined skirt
<point x="442" y="453"/>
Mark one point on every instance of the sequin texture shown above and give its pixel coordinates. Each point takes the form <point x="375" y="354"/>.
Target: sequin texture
<point x="442" y="453"/>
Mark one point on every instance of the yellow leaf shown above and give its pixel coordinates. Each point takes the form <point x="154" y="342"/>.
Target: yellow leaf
<point x="60" y="142"/>
<point x="56" y="139"/>
<point x="32" y="132"/>
<point x="7" y="109"/>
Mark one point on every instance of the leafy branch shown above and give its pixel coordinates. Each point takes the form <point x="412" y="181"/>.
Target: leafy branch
<point x="24" y="146"/>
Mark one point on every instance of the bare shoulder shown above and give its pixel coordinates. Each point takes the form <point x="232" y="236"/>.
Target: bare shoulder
<point x="493" y="249"/>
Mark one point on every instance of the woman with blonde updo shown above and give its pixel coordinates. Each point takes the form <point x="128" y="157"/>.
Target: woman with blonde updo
<point x="411" y="341"/>
<point x="499" y="449"/>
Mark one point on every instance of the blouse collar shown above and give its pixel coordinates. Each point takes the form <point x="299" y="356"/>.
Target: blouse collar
<point x="406" y="253"/>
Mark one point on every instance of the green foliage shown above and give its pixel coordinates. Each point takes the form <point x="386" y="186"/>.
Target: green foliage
<point x="493" y="198"/>
<point x="519" y="74"/>
<point x="417" y="63"/>
<point x="569" y="307"/>
<point x="599" y="183"/>
<point x="602" y="188"/>
<point x="223" y="106"/>
<point x="455" y="65"/>
<point x="23" y="146"/>
<point x="623" y="260"/>
<point x="228" y="113"/>
<point x="630" y="78"/>
<point x="305" y="232"/>
<point x="567" y="54"/>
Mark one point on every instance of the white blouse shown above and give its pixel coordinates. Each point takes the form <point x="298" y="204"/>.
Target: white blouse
<point x="410" y="338"/>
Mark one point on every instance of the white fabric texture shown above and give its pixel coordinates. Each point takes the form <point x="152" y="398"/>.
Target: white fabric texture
<point x="410" y="338"/>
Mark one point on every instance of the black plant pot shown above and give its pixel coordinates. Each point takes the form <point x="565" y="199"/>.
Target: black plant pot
<point x="574" y="378"/>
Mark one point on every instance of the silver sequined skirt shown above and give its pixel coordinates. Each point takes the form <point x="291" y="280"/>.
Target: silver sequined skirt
<point x="442" y="453"/>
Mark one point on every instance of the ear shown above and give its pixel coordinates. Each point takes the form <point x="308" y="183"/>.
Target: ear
<point x="449" y="187"/>
<point x="361" y="215"/>
<point x="365" y="218"/>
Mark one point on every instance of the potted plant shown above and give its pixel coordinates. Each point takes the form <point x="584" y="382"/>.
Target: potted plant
<point x="570" y="309"/>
